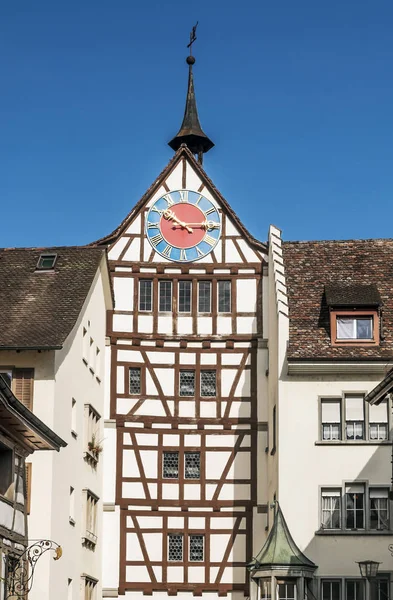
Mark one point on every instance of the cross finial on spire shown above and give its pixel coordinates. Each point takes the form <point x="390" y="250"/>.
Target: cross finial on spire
<point x="191" y="132"/>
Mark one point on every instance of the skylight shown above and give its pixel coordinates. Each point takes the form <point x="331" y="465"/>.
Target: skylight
<point x="46" y="262"/>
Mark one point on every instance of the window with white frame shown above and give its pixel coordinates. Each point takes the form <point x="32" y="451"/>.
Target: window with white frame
<point x="354" y="417"/>
<point x="378" y="421"/>
<point x="175" y="547"/>
<point x="91" y="505"/>
<point x="330" y="589"/>
<point x="354" y="506"/>
<point x="204" y="296"/>
<point x="184" y="303"/>
<point x="265" y="585"/>
<point x="355" y="328"/>
<point x="331" y="509"/>
<point x="196" y="548"/>
<point x="224" y="296"/>
<point x="165" y="296"/>
<point x="331" y="419"/>
<point x="379" y="508"/>
<point x="286" y="589"/>
<point x="354" y="589"/>
<point x="145" y="295"/>
<point x="187" y="383"/>
<point x="208" y="383"/>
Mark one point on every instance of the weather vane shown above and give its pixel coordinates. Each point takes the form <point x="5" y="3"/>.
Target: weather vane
<point x="193" y="37"/>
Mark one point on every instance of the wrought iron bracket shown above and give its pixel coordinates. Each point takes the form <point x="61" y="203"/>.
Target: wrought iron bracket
<point x="20" y="568"/>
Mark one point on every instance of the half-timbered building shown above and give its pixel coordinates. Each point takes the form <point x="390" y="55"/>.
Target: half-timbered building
<point x="182" y="417"/>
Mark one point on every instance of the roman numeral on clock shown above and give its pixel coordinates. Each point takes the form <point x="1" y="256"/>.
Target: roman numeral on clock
<point x="168" y="199"/>
<point x="211" y="210"/>
<point x="156" y="239"/>
<point x="167" y="251"/>
<point x="183" y="255"/>
<point x="157" y="210"/>
<point x="151" y="225"/>
<point x="199" y="251"/>
<point x="198" y="200"/>
<point x="183" y="195"/>
<point x="209" y="240"/>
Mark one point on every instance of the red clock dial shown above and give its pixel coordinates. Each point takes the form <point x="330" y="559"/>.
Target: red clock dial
<point x="183" y="225"/>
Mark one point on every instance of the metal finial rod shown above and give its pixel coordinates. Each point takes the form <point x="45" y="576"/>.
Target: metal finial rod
<point x="193" y="37"/>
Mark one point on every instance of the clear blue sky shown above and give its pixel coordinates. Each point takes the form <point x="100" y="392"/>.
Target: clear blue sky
<point x="297" y="96"/>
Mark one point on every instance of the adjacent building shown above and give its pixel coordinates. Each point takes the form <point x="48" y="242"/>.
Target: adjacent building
<point x="21" y="434"/>
<point x="52" y="347"/>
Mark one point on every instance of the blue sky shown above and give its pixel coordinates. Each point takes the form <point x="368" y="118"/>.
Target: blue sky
<point x="297" y="97"/>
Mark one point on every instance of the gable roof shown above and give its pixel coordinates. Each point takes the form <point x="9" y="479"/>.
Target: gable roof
<point x="16" y="417"/>
<point x="40" y="308"/>
<point x="280" y="549"/>
<point x="183" y="151"/>
<point x="378" y="393"/>
<point x="364" y="266"/>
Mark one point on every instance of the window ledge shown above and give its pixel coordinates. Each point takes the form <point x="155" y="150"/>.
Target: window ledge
<point x="89" y="540"/>
<point x="74" y="434"/>
<point x="353" y="443"/>
<point x="365" y="532"/>
<point x="71" y="521"/>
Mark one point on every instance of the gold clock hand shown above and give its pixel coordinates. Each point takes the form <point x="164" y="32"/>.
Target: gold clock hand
<point x="169" y="215"/>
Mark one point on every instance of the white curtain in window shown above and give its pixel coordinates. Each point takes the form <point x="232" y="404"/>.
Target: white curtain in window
<point x="331" y="411"/>
<point x="379" y="413"/>
<point x="345" y="328"/>
<point x="354" y="410"/>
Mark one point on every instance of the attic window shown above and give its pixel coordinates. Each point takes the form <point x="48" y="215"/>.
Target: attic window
<point x="46" y="262"/>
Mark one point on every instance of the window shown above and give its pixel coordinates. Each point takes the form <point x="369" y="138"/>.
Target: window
<point x="6" y="471"/>
<point x="354" y="506"/>
<point x="23" y="386"/>
<point x="355" y="328"/>
<point x="46" y="262"/>
<point x="145" y="295"/>
<point x="175" y="547"/>
<point x="91" y="504"/>
<point x="93" y="440"/>
<point x="187" y="383"/>
<point x="378" y="421"/>
<point x="265" y="585"/>
<point x="69" y="589"/>
<point x="354" y="417"/>
<point x="286" y="590"/>
<point x="331" y="509"/>
<point x="331" y="419"/>
<point x="379" y="588"/>
<point x="90" y="588"/>
<point x="71" y="517"/>
<point x="184" y="296"/>
<point x="204" y="296"/>
<point x="331" y="590"/>
<point x="170" y="467"/>
<point x="196" y="548"/>
<point x="28" y="468"/>
<point x="354" y="589"/>
<point x="208" y="383"/>
<point x="224" y="296"/>
<point x="85" y="349"/>
<point x="192" y="465"/>
<point x="135" y="380"/>
<point x="73" y="417"/>
<point x="379" y="508"/>
<point x="274" y="427"/>
<point x="165" y="296"/>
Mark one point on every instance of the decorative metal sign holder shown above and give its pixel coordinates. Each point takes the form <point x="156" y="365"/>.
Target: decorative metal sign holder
<point x="20" y="568"/>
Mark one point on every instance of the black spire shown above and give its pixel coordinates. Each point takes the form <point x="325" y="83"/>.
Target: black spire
<point x="191" y="132"/>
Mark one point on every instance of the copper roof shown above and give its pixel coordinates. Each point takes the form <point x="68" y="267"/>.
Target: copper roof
<point x="364" y="267"/>
<point x="40" y="308"/>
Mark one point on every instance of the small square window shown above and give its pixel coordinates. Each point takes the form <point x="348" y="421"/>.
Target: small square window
<point x="175" y="547"/>
<point x="208" y="383"/>
<point x="135" y="380"/>
<point x="196" y="548"/>
<point x="187" y="383"/>
<point x="170" y="467"/>
<point x="192" y="465"/>
<point x="354" y="327"/>
<point x="46" y="262"/>
<point x="331" y="590"/>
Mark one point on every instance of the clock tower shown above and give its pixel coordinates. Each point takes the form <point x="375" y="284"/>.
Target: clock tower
<point x="185" y="338"/>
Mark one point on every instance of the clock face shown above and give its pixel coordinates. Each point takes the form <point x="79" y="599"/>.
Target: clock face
<point x="183" y="226"/>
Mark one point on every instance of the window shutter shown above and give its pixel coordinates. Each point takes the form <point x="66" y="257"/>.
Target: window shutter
<point x="331" y="411"/>
<point x="22" y="386"/>
<point x="379" y="493"/>
<point x="354" y="408"/>
<point x="28" y="486"/>
<point x="379" y="413"/>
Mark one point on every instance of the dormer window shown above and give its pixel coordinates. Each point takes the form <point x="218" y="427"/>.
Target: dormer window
<point x="354" y="313"/>
<point x="46" y="262"/>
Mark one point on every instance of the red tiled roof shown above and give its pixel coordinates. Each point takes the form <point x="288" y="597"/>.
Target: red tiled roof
<point x="309" y="267"/>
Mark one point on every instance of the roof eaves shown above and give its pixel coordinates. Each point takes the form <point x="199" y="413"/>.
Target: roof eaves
<point x="384" y="387"/>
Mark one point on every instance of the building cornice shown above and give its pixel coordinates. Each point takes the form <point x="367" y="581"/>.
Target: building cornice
<point x="337" y="368"/>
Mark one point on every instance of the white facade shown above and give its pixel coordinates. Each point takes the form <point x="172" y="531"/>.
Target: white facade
<point x="66" y="383"/>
